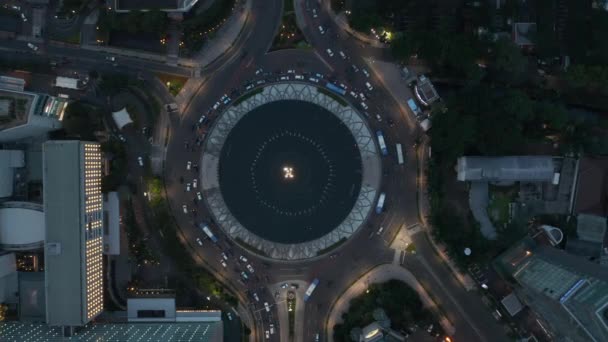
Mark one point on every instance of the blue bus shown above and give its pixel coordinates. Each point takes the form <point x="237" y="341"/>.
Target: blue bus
<point x="208" y="232"/>
<point x="310" y="289"/>
<point x="380" y="204"/>
<point x="336" y="89"/>
<point x="381" y="143"/>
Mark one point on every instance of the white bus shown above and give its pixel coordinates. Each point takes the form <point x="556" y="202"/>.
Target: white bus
<point x="380" y="204"/>
<point x="381" y="143"/>
<point x="399" y="154"/>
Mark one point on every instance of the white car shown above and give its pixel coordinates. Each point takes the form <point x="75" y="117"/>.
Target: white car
<point x="250" y="268"/>
<point x="216" y="105"/>
<point x="378" y="117"/>
<point x="111" y="58"/>
<point x="330" y="53"/>
<point x="284" y="78"/>
<point x="267" y="334"/>
<point x="312" y="79"/>
<point x="284" y="285"/>
<point x="321" y="29"/>
<point x="223" y="263"/>
<point x="317" y="75"/>
<point x="255" y="296"/>
<point x="185" y="208"/>
<point x="224" y="256"/>
<point x="140" y="161"/>
<point x="249" y="87"/>
<point x="229" y="316"/>
<point x="198" y="240"/>
<point x="199" y="196"/>
<point x="354" y="67"/>
<point x="271" y="329"/>
<point x="342" y="55"/>
<point x="364" y="105"/>
<point x="380" y="230"/>
<point x="227" y="100"/>
<point x="259" y="71"/>
<point x="353" y="94"/>
<point x="299" y="77"/>
<point x="23" y="17"/>
<point x="32" y="46"/>
<point x="291" y="71"/>
<point x="362" y="96"/>
<point x="266" y="306"/>
<point x="243" y="259"/>
<point x="189" y="165"/>
<point x="365" y="72"/>
<point x="369" y="86"/>
<point x="243" y="275"/>
<point x="314" y="12"/>
<point x="260" y="82"/>
<point x="194" y="183"/>
<point x="188" y="187"/>
<point x="344" y="86"/>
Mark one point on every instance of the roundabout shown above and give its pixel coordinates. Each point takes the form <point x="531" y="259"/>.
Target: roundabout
<point x="289" y="172"/>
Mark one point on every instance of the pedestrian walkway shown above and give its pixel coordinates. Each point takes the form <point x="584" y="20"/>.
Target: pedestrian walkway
<point x="380" y="274"/>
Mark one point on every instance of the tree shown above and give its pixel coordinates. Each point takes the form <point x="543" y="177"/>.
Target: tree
<point x="509" y="65"/>
<point x="451" y="135"/>
<point x="76" y="121"/>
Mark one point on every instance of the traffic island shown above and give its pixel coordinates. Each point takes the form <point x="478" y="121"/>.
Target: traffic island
<point x="291" y="312"/>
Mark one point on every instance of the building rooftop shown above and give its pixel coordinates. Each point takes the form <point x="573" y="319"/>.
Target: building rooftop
<point x="591" y="228"/>
<point x="513" y="168"/>
<point x="523" y="33"/>
<point x="20" y="103"/>
<point x="32" y="300"/>
<point x="115" y="332"/>
<point x="21" y="226"/>
<point x="592" y="187"/>
<point x="9" y="161"/>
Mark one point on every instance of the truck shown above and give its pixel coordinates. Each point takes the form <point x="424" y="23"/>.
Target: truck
<point x="310" y="289"/>
<point x="208" y="232"/>
<point x="380" y="204"/>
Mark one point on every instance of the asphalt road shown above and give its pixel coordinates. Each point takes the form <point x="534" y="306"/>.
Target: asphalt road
<point x="228" y="74"/>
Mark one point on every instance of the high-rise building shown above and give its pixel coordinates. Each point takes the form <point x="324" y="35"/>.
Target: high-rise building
<point x="74" y="232"/>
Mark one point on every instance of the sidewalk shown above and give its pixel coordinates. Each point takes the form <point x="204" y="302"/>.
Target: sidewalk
<point x="379" y="274"/>
<point x="342" y="22"/>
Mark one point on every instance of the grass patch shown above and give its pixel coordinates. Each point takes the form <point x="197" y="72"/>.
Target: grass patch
<point x="248" y="95"/>
<point x="334" y="246"/>
<point x="250" y="247"/>
<point x="498" y="208"/>
<point x="337" y="98"/>
<point x="173" y="82"/>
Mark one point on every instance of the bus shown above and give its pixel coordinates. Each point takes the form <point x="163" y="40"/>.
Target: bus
<point x="399" y="154"/>
<point x="208" y="232"/>
<point x="310" y="289"/>
<point x="336" y="89"/>
<point x="380" y="205"/>
<point x="381" y="143"/>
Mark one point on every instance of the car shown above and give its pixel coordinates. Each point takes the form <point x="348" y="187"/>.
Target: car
<point x="255" y="296"/>
<point x="188" y="186"/>
<point x="354" y="67"/>
<point x="317" y="75"/>
<point x="229" y="315"/>
<point x="284" y="285"/>
<point x="249" y="87"/>
<point x="299" y="77"/>
<point x="321" y="29"/>
<point x="226" y="100"/>
<point x="23" y="17"/>
<point x="216" y="105"/>
<point x="202" y="120"/>
<point x="380" y="230"/>
<point x="314" y="12"/>
<point x="32" y="46"/>
<point x="365" y="72"/>
<point x="342" y="54"/>
<point x="250" y="268"/>
<point x="344" y="86"/>
<point x="330" y="53"/>
<point x="122" y="138"/>
<point x="224" y="264"/>
<point x="267" y="307"/>
<point x="271" y="329"/>
<point x="111" y="58"/>
<point x="267" y="334"/>
<point x="369" y="86"/>
<point x="430" y="328"/>
<point x="185" y="208"/>
<point x="199" y="196"/>
<point x="242" y="258"/>
<point x="314" y="80"/>
<point x="224" y="256"/>
<point x="364" y="105"/>
<point x="353" y="94"/>
<point x="378" y="117"/>
<point x="194" y="183"/>
<point x="259" y="71"/>
<point x="284" y="78"/>
<point x="362" y="96"/>
<point x="188" y="165"/>
<point x="198" y="240"/>
<point x="291" y="71"/>
<point x="316" y="337"/>
<point x="140" y="161"/>
<point x="244" y="275"/>
<point x="260" y="82"/>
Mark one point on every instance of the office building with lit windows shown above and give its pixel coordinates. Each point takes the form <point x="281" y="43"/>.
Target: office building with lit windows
<point x="73" y="209"/>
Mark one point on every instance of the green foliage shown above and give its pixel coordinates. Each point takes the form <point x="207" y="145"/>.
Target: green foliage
<point x="196" y="29"/>
<point x="509" y="65"/>
<point x="153" y="21"/>
<point x="81" y="120"/>
<point x="400" y="302"/>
